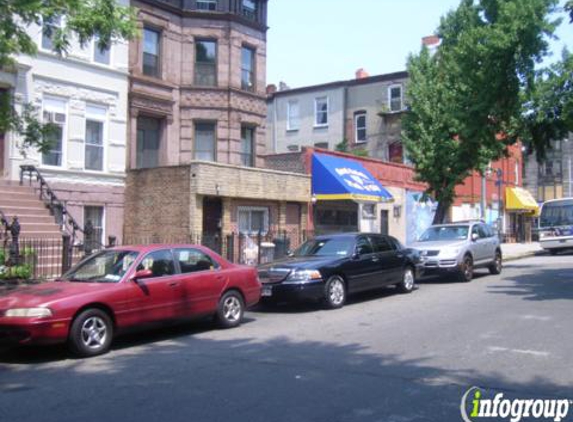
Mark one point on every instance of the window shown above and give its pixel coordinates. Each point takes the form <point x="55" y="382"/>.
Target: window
<point x="55" y="113"/>
<point x="206" y="63"/>
<point x="249" y="9"/>
<point x="395" y="98"/>
<point x="293" y="120"/>
<point x="363" y="246"/>
<point x="381" y="244"/>
<point x="360" y="127"/>
<point x="93" y="226"/>
<point x="207" y="5"/>
<point x="194" y="260"/>
<point x="321" y="111"/>
<point x="151" y="49"/>
<point x="248" y="69"/>
<point x="247" y="146"/>
<point x="148" y="139"/>
<point x="159" y="262"/>
<point x="205" y="141"/>
<point x="94" y="146"/>
<point x="101" y="56"/>
<point x="49" y="27"/>
<point x="253" y="220"/>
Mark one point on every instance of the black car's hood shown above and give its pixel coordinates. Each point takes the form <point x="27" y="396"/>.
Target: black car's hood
<point x="279" y="270"/>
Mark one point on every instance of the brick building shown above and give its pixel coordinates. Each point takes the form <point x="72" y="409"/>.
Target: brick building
<point x="197" y="125"/>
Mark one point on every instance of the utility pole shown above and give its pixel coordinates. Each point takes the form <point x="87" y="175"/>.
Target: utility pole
<point x="483" y="195"/>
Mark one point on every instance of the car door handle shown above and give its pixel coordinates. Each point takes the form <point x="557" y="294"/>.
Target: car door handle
<point x="174" y="284"/>
<point x="375" y="259"/>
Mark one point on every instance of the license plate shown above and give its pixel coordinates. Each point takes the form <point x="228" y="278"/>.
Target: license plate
<point x="267" y="291"/>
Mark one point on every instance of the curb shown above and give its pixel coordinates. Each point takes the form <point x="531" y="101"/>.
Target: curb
<point x="522" y="255"/>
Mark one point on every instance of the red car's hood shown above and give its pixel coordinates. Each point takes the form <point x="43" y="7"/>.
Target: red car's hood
<point x="33" y="295"/>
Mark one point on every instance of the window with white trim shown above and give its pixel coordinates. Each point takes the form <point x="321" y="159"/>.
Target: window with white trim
<point x="54" y="112"/>
<point x="395" y="98"/>
<point x="360" y="127"/>
<point x="101" y="56"/>
<point x="253" y="220"/>
<point x="95" y="137"/>
<point x="49" y="27"/>
<point x="321" y="111"/>
<point x="293" y="119"/>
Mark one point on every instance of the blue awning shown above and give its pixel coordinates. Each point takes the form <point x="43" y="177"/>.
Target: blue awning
<point x="336" y="178"/>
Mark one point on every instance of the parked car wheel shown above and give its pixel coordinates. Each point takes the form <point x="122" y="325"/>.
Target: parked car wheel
<point x="91" y="333"/>
<point x="230" y="309"/>
<point x="408" y="281"/>
<point x="497" y="264"/>
<point x="467" y="269"/>
<point x="554" y="251"/>
<point x="335" y="292"/>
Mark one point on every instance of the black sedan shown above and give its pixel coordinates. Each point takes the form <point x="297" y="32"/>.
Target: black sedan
<point x="330" y="267"/>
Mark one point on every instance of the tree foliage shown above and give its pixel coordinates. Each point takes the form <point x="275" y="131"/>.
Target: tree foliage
<point x="82" y="20"/>
<point x="467" y="100"/>
<point x="344" y="146"/>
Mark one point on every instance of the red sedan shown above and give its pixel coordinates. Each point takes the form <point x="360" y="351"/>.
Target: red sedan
<point x="123" y="288"/>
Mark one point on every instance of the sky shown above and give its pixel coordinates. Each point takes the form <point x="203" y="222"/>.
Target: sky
<point x="317" y="41"/>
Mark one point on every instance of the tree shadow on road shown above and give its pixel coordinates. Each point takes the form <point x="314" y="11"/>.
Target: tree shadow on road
<point x="191" y="376"/>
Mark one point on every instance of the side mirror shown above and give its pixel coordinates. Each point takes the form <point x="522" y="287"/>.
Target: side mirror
<point x="355" y="256"/>
<point x="290" y="252"/>
<point x="141" y="274"/>
<point x="475" y="237"/>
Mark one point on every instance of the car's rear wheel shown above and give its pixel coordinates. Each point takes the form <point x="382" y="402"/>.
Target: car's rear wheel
<point x="497" y="264"/>
<point x="335" y="292"/>
<point x="408" y="281"/>
<point x="467" y="269"/>
<point x="91" y="333"/>
<point x="230" y="310"/>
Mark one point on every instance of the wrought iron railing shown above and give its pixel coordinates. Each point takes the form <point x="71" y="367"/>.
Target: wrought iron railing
<point x="58" y="208"/>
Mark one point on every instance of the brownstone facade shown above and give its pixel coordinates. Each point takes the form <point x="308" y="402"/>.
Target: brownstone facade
<point x="173" y="95"/>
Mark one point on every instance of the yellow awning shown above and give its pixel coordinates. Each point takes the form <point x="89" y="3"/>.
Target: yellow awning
<point x="519" y="199"/>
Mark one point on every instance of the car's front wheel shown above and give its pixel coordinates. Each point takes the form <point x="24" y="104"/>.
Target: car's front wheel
<point x="335" y="292"/>
<point x="496" y="266"/>
<point x="230" y="309"/>
<point x="467" y="269"/>
<point x="91" y="333"/>
<point x="408" y="281"/>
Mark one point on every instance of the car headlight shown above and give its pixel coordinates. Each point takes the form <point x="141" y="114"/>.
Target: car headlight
<point x="450" y="251"/>
<point x="28" y="313"/>
<point x="303" y="276"/>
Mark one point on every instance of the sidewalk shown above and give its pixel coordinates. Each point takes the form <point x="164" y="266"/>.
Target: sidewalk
<point x="519" y="250"/>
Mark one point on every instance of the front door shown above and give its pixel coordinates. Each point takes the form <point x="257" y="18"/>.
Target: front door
<point x="363" y="268"/>
<point x="158" y="297"/>
<point x="212" y="220"/>
<point x="203" y="281"/>
<point x="384" y="222"/>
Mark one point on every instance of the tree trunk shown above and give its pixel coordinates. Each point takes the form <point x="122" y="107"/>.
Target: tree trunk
<point x="442" y="211"/>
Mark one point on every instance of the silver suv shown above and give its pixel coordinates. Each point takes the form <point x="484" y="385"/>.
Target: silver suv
<point x="459" y="248"/>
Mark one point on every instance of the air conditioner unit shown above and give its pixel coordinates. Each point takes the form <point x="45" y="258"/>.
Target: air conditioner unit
<point x="52" y="117"/>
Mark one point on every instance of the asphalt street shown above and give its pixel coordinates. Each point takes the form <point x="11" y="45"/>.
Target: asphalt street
<point x="384" y="357"/>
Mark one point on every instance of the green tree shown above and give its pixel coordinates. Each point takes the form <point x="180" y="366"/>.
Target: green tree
<point x="81" y="20"/>
<point x="467" y="100"/>
<point x="344" y="146"/>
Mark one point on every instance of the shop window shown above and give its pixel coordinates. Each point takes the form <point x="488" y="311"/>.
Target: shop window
<point x="253" y="220"/>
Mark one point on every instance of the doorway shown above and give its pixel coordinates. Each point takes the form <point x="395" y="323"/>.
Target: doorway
<point x="384" y="222"/>
<point x="212" y="223"/>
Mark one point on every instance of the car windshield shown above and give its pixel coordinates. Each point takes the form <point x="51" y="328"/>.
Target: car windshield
<point x="326" y="247"/>
<point x="104" y="267"/>
<point x="559" y="213"/>
<point x="434" y="234"/>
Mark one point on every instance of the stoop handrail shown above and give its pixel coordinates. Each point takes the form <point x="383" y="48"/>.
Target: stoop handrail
<point x="69" y="224"/>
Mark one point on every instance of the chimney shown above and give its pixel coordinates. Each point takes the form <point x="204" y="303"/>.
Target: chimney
<point x="271" y="89"/>
<point x="431" y="41"/>
<point x="361" y="74"/>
